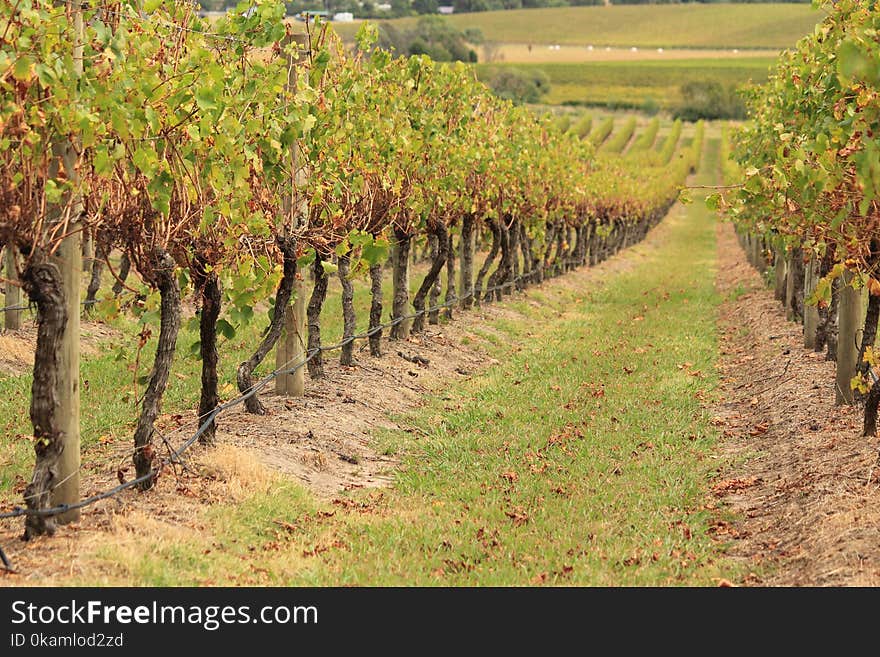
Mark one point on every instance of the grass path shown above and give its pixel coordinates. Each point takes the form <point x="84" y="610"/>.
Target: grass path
<point x="583" y="457"/>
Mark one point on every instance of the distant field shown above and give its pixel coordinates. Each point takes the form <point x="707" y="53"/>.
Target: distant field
<point x="517" y="53"/>
<point x="638" y="84"/>
<point x="645" y="26"/>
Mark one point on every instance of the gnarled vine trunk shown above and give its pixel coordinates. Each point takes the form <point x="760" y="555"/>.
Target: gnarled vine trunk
<point x="313" y="318"/>
<point x="430" y="278"/>
<point x="100" y="256"/>
<point x="514" y="258"/>
<point x="400" y="284"/>
<point x="582" y="241"/>
<point x="871" y="404"/>
<point x="499" y="277"/>
<point x="437" y="287"/>
<point x="449" y="299"/>
<point x="375" y="310"/>
<point x="490" y="258"/>
<point x="550" y="237"/>
<point x="169" y="324"/>
<point x="349" y="319"/>
<point x="208" y="285"/>
<point x="124" y="268"/>
<point x="467" y="261"/>
<point x="282" y="301"/>
<point x="558" y="258"/>
<point x="595" y="246"/>
<point x="525" y="245"/>
<point x="44" y="287"/>
<point x="568" y="263"/>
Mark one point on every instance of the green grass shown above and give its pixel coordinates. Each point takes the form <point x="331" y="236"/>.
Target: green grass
<point x="641" y="84"/>
<point x="583" y="457"/>
<point x="645" y="26"/>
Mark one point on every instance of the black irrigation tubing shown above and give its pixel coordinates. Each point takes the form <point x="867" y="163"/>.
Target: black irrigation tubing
<point x="176" y="454"/>
<point x="22" y="306"/>
<point x="28" y="306"/>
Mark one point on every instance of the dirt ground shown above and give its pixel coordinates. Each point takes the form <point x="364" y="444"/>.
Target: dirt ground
<point x="324" y="438"/>
<point x="17" y="347"/>
<point x="803" y="480"/>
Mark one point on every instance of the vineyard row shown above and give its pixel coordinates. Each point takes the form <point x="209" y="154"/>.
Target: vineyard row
<point x="227" y="160"/>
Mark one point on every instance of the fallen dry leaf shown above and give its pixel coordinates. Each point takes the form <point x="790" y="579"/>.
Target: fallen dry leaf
<point x="735" y="485"/>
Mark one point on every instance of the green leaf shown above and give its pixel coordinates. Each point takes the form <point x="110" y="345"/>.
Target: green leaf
<point x="22" y="69"/>
<point x="146" y="160"/>
<point x="195" y="349"/>
<point x="821" y="293"/>
<point x="207" y="217"/>
<point x="54" y="193"/>
<point x="328" y="267"/>
<point x="839" y="219"/>
<point x="225" y="329"/>
<point x="102" y="162"/>
<point x="307" y="125"/>
<point x="242" y="315"/>
<point x="360" y="238"/>
<point x="375" y="253"/>
<point x="183" y="278"/>
<point x="206" y="98"/>
<point x="306" y="259"/>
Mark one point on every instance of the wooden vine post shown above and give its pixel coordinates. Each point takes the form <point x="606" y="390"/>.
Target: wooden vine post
<point x="811" y="311"/>
<point x="291" y="347"/>
<point x="68" y="258"/>
<point x="779" y="269"/>
<point x="13" y="292"/>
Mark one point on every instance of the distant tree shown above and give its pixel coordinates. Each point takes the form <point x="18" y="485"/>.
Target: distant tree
<point x="709" y="99"/>
<point x="464" y="6"/>
<point x="473" y="35"/>
<point x="392" y="39"/>
<point x="432" y="35"/>
<point x="520" y="86"/>
<point x="400" y="8"/>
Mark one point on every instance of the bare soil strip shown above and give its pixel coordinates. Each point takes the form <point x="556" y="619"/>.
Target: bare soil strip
<point x="802" y="480"/>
